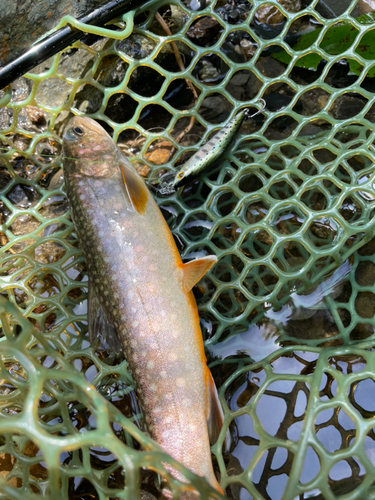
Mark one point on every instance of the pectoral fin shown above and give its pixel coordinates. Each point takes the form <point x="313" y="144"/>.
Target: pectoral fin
<point x="194" y="270"/>
<point x="215" y="417"/>
<point x="135" y="187"/>
<point x="100" y="326"/>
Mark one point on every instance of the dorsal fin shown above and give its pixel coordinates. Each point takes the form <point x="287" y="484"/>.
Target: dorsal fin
<point x="194" y="270"/>
<point x="135" y="187"/>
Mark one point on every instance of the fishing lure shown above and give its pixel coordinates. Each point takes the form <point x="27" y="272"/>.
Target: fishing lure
<point x="208" y="155"/>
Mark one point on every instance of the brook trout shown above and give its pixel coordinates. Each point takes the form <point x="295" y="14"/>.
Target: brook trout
<point x="140" y="297"/>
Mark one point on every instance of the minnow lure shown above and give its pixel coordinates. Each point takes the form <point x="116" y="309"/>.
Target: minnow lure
<point x="209" y="154"/>
<point x="140" y="297"/>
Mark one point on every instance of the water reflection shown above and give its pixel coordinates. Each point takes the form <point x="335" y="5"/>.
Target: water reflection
<point x="279" y="409"/>
<point x="301" y="307"/>
<point x="257" y="342"/>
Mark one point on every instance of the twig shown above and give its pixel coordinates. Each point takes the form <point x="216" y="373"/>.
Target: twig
<point x="181" y="65"/>
<point x="184" y="132"/>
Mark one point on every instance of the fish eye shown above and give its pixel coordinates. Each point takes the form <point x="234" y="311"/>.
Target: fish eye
<point x="180" y="175"/>
<point x="78" y="130"/>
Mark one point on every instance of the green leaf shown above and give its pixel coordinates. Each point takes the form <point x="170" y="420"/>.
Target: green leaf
<point x="309" y="61"/>
<point x="307" y="40"/>
<point x="366" y="47"/>
<point x="337" y="40"/>
<point x="354" y="67"/>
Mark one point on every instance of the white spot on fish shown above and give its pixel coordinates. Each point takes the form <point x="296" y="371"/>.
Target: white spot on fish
<point x="180" y="382"/>
<point x="135" y="323"/>
<point x="134" y="280"/>
<point x="133" y="343"/>
<point x="172" y="356"/>
<point x="168" y="419"/>
<point x="151" y="364"/>
<point x="152" y="387"/>
<point x="186" y="403"/>
<point x="163" y="374"/>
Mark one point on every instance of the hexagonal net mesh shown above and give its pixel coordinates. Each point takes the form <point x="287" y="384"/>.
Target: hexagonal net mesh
<point x="288" y="310"/>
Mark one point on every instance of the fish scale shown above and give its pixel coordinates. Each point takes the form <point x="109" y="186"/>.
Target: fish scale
<point x="137" y="299"/>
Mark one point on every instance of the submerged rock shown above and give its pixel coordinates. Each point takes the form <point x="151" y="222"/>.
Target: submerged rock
<point x="23" y="22"/>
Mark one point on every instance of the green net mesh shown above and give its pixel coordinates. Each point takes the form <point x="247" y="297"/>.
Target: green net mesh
<point x="288" y="310"/>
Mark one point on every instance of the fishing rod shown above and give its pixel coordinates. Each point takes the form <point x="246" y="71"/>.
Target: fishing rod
<point x="62" y="38"/>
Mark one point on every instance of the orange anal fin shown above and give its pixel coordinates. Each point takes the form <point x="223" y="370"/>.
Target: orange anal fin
<point x="135" y="187"/>
<point x="194" y="270"/>
<point x="215" y="416"/>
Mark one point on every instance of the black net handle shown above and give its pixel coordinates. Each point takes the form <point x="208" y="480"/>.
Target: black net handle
<point x="62" y="38"/>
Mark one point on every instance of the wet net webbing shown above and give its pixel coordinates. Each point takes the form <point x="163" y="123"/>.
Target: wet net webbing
<point x="287" y="312"/>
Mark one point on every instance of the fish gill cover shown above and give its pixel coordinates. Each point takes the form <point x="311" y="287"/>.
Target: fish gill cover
<point x="287" y="312"/>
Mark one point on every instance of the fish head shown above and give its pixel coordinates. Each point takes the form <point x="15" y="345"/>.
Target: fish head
<point x="88" y="149"/>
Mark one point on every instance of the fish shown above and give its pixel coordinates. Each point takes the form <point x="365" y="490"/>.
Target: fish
<point x="140" y="296"/>
<point x="208" y="155"/>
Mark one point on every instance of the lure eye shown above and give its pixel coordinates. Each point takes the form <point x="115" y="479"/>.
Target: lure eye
<point x="78" y="130"/>
<point x="180" y="175"/>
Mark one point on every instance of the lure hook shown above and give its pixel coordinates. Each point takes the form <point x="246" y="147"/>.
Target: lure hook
<point x="264" y="104"/>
